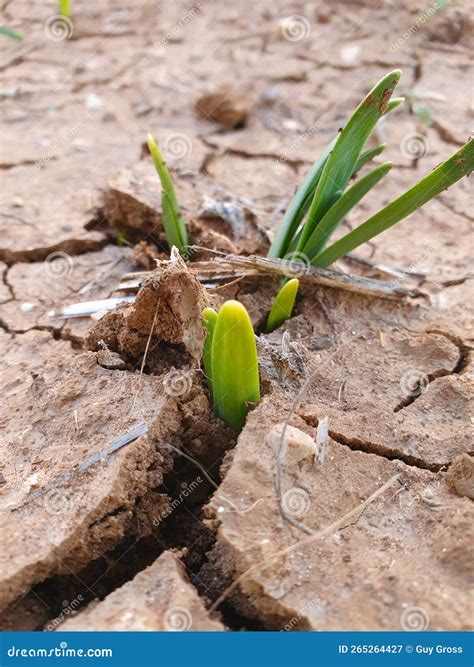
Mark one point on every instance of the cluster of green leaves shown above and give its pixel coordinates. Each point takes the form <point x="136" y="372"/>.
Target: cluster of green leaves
<point x="324" y="199"/>
<point x="230" y="362"/>
<point x="175" y="227"/>
<point x="322" y="194"/>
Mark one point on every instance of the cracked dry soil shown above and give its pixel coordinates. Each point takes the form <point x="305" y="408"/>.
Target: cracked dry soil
<point x="181" y="527"/>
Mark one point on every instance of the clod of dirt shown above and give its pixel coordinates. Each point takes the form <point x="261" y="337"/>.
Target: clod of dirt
<point x="110" y="360"/>
<point x="409" y="547"/>
<point x="224" y="106"/>
<point x="168" y="308"/>
<point x="158" y="598"/>
<point x="296" y="446"/>
<point x="145" y="255"/>
<point x="460" y="476"/>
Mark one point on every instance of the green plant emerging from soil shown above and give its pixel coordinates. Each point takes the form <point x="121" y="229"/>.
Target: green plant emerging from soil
<point x="323" y="201"/>
<point x="282" y="305"/>
<point x="64" y="7"/>
<point x="175" y="228"/>
<point x="231" y="363"/>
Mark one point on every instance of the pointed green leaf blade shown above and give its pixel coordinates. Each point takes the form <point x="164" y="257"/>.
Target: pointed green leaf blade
<point x="283" y="305"/>
<point x="175" y="228"/>
<point x="344" y="157"/>
<point x="341" y="208"/>
<point x="298" y="206"/>
<point x="458" y="165"/>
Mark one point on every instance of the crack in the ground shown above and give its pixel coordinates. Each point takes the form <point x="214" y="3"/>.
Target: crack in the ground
<point x="458" y="369"/>
<point x="72" y="247"/>
<point x="240" y="152"/>
<point x="358" y="445"/>
<point x="56" y="333"/>
<point x="8" y="285"/>
<point x="180" y="527"/>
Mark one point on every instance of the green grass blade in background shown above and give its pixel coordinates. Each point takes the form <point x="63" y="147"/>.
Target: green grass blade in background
<point x="458" y="165"/>
<point x="283" y="305"/>
<point x="175" y="228"/>
<point x="234" y="362"/>
<point x="344" y="157"/>
<point x="8" y="32"/>
<point x="341" y="208"/>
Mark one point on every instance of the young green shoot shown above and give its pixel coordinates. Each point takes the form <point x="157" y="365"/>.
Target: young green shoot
<point x="209" y="319"/>
<point x="64" y="7"/>
<point x="173" y="223"/>
<point x="283" y="305"/>
<point x="233" y="365"/>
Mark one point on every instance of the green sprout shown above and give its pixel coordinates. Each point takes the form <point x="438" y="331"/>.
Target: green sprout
<point x="174" y="225"/>
<point x="283" y="305"/>
<point x="231" y="362"/>
<point x="8" y="32"/>
<point x="64" y="7"/>
<point x="324" y="199"/>
<point x="209" y="317"/>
